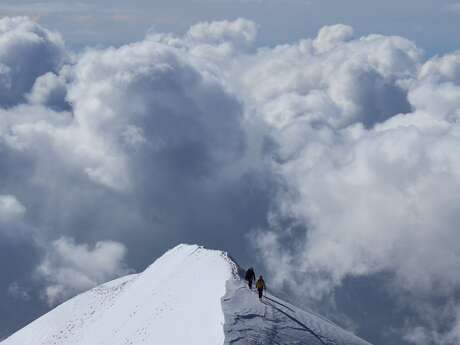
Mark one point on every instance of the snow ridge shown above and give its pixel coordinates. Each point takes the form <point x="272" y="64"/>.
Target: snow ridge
<point x="190" y="295"/>
<point x="176" y="300"/>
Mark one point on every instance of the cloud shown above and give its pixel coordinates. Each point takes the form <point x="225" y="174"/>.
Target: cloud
<point x="139" y="139"/>
<point x="50" y="90"/>
<point x="16" y="291"/>
<point x="241" y="32"/>
<point x="370" y="189"/>
<point x="11" y="209"/>
<point x="27" y="51"/>
<point x="435" y="331"/>
<point x="359" y="81"/>
<point x="181" y="110"/>
<point x="329" y="37"/>
<point x="70" y="268"/>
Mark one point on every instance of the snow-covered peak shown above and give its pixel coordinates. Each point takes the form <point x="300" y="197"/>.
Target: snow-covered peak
<point x="190" y="295"/>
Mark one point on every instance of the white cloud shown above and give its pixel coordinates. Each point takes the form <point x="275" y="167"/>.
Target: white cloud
<point x="375" y="193"/>
<point x="11" y="209"/>
<point x="241" y="32"/>
<point x="175" y="106"/>
<point x="329" y="37"/>
<point x="69" y="267"/>
<point x="360" y="81"/>
<point x="171" y="99"/>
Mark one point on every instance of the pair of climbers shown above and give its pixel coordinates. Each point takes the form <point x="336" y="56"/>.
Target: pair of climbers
<point x="250" y="277"/>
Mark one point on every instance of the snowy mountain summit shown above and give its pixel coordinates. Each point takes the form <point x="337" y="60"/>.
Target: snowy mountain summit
<point x="190" y="295"/>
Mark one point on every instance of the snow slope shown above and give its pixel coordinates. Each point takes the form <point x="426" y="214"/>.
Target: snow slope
<point x="171" y="302"/>
<point x="276" y="322"/>
<point x="190" y="295"/>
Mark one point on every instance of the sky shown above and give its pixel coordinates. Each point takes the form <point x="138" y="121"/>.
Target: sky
<point x="316" y="141"/>
<point x="432" y="24"/>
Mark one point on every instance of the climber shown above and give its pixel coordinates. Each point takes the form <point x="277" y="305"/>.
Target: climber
<point x="250" y="276"/>
<point x="260" y="286"/>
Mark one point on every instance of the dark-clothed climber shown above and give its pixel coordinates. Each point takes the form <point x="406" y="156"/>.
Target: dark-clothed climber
<point x="250" y="276"/>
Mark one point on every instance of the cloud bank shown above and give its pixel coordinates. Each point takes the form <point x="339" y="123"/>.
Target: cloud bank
<point x="337" y="154"/>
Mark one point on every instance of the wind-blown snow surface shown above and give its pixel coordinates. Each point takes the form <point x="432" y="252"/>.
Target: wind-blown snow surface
<point x="184" y="297"/>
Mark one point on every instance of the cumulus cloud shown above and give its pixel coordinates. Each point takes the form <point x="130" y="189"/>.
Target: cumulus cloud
<point x="173" y="108"/>
<point x="27" y="51"/>
<point x="373" y="187"/>
<point x="69" y="268"/>
<point x="241" y="32"/>
<point x="329" y="37"/>
<point x="359" y="81"/>
<point x="50" y="90"/>
<point x="136" y="139"/>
